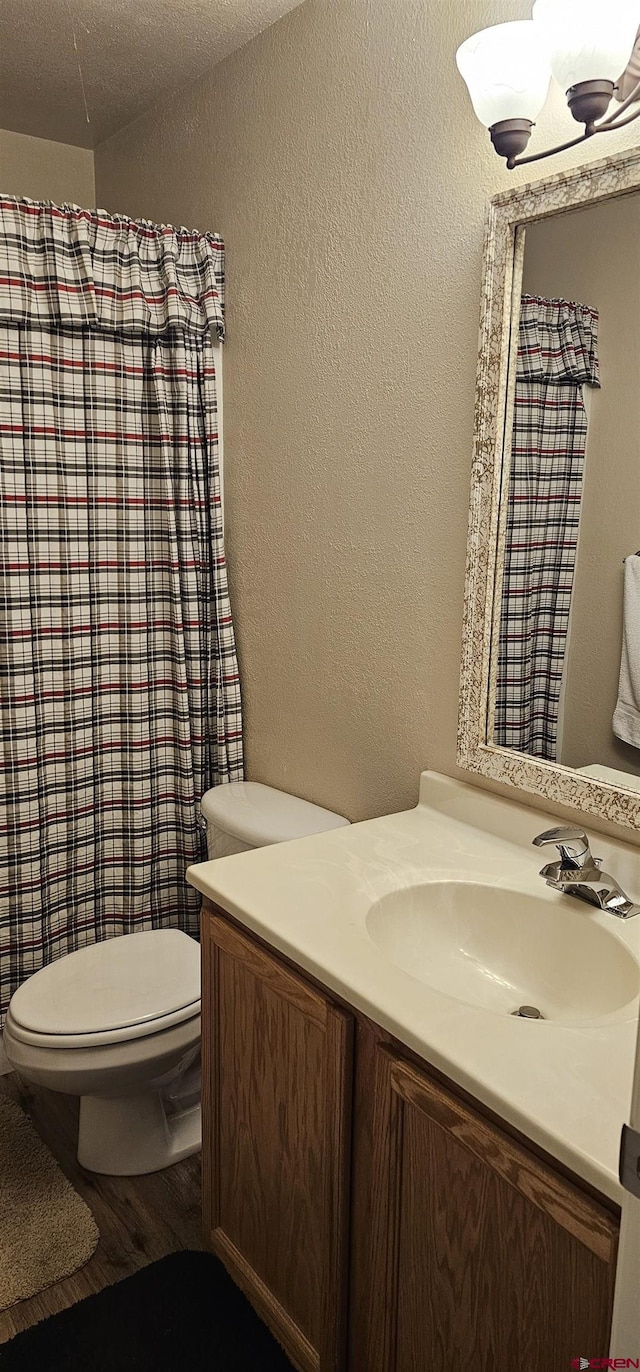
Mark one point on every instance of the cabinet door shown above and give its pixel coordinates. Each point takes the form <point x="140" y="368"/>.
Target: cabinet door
<point x="482" y="1256"/>
<point x="276" y="1141"/>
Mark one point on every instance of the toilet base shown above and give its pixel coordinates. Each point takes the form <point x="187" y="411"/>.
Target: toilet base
<point x="128" y="1136"/>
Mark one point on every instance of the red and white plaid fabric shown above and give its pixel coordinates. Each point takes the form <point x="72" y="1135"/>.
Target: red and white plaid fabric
<point x="557" y="355"/>
<point x="60" y="265"/>
<point x="119" y="689"/>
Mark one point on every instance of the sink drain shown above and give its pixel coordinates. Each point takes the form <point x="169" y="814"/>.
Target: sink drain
<point x="528" y="1012"/>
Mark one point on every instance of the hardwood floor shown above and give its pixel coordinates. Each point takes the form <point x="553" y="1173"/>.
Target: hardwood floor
<point x="139" y="1218"/>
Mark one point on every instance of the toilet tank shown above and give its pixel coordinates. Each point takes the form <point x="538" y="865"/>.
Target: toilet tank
<point x="245" y="814"/>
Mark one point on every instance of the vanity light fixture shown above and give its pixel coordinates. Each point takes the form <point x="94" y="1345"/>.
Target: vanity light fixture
<point x="590" y="47"/>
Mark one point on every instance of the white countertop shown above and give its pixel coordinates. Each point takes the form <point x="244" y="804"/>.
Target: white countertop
<point x="567" y="1087"/>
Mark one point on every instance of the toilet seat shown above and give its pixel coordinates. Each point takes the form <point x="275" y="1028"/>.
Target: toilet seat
<point x="118" y="990"/>
<point x="102" y="1037"/>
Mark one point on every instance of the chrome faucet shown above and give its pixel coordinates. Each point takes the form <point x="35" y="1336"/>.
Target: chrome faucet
<point x="579" y="874"/>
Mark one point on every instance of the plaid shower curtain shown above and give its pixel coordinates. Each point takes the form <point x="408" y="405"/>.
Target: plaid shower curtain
<point x="119" y="690"/>
<point x="557" y="355"/>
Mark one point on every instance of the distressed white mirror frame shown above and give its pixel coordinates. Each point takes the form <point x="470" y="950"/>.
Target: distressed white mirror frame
<point x="509" y="213"/>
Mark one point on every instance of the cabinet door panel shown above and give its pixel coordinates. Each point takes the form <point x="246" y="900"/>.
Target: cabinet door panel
<point x="276" y="1150"/>
<point x="491" y="1259"/>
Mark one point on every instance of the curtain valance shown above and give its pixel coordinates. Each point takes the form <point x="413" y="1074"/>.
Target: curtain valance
<point x="65" y="267"/>
<point x="558" y="342"/>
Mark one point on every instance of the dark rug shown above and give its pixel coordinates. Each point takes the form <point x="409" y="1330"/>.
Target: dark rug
<point x="181" y="1314"/>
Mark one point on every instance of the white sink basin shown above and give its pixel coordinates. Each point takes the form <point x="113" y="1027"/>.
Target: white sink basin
<point x="500" y="949"/>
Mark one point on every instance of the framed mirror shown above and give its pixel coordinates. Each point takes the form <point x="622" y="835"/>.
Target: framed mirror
<point x="550" y="675"/>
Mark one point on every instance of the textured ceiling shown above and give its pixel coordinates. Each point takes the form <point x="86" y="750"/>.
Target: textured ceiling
<point x="129" y="54"/>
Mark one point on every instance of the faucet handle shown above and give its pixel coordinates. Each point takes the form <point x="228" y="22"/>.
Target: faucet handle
<point x="572" y="844"/>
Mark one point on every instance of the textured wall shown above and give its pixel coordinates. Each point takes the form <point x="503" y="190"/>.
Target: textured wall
<point x="593" y="255"/>
<point x="339" y="156"/>
<point x="43" y="170"/>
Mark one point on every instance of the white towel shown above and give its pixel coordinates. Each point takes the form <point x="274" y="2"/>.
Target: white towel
<point x="626" y="720"/>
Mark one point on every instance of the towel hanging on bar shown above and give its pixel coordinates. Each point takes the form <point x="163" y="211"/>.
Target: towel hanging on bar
<point x="626" y="719"/>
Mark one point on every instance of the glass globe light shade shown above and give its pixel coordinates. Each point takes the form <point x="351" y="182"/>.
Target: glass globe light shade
<point x="506" y="69"/>
<point x="587" y="40"/>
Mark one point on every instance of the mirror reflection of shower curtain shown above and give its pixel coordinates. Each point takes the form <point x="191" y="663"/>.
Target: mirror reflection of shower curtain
<point x="587" y="397"/>
<point x="557" y="355"/>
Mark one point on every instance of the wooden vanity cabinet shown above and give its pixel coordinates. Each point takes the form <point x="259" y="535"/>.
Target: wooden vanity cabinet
<point x="458" y="1245"/>
<point x="276" y="1146"/>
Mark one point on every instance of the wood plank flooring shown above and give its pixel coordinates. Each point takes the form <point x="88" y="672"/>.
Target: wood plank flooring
<point x="139" y="1218"/>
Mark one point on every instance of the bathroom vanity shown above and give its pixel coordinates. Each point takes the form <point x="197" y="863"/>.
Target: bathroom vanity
<point x="402" y="1174"/>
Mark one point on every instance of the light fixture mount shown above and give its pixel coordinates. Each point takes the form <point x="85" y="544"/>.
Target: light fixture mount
<point x="589" y="101"/>
<point x="510" y="138"/>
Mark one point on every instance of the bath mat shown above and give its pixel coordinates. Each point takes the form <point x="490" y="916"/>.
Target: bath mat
<point x="46" y="1230"/>
<point x="181" y="1312"/>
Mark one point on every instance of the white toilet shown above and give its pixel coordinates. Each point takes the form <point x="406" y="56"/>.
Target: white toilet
<point x="118" y="1023"/>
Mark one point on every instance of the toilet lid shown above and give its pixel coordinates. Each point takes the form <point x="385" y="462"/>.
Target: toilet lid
<point x="125" y="981"/>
